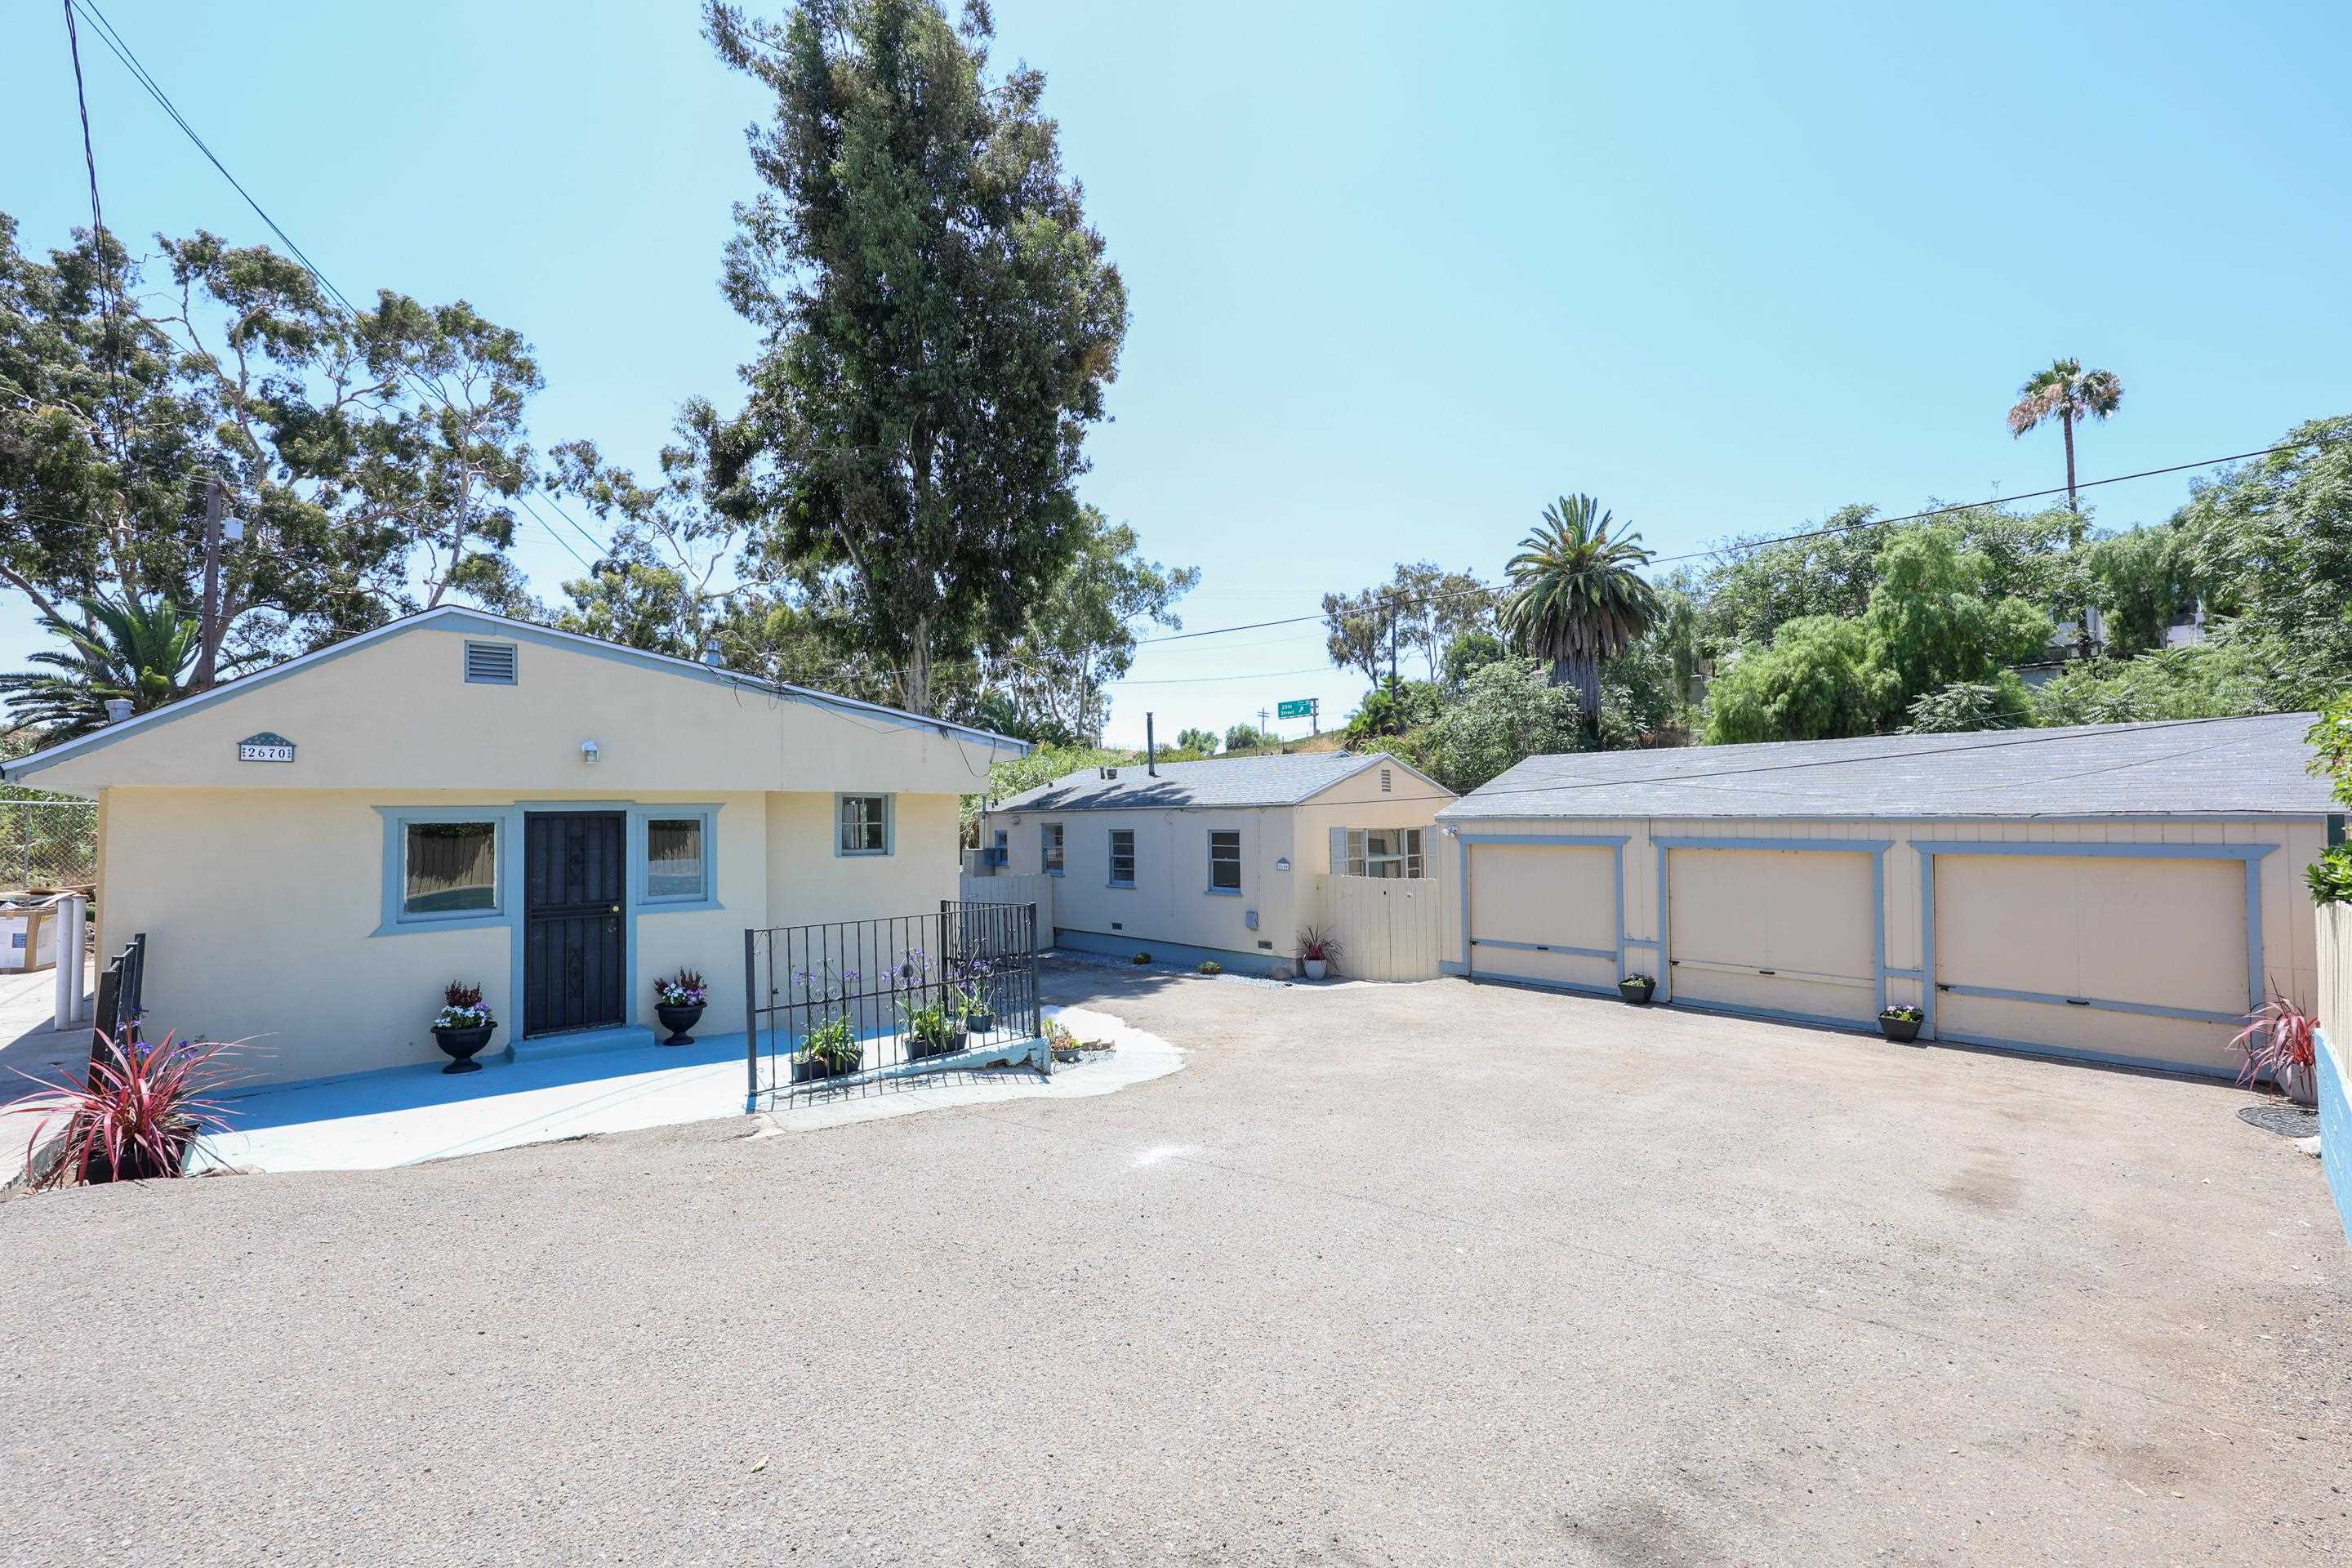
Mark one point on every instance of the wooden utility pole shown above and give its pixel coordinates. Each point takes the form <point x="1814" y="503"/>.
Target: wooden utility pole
<point x="208" y="629"/>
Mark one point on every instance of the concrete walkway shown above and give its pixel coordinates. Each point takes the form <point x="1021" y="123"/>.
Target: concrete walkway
<point x="29" y="1045"/>
<point x="374" y="1120"/>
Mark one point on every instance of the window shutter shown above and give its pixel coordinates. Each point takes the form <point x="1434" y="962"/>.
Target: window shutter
<point x="1338" y="852"/>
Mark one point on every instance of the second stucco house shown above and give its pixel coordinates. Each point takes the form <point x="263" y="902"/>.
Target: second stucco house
<point x="1214" y="860"/>
<point x="314" y="851"/>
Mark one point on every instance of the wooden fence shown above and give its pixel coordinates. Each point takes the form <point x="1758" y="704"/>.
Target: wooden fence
<point x="1003" y="889"/>
<point x="2336" y="981"/>
<point x="1387" y="926"/>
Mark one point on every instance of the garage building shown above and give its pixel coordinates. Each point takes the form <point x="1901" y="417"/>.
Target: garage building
<point x="2120" y="892"/>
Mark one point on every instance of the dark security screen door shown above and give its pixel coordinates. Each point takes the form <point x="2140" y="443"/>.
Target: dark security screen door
<point x="575" y="881"/>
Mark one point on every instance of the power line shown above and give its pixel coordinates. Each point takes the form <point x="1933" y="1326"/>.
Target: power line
<point x="122" y="51"/>
<point x="107" y="294"/>
<point x="1759" y="543"/>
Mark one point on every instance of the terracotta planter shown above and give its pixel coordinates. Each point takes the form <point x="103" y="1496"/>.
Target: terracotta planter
<point x="678" y="1020"/>
<point x="461" y="1044"/>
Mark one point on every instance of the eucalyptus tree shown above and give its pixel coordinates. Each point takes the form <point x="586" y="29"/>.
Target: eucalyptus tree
<point x="372" y="456"/>
<point x="938" y="321"/>
<point x="1578" y="597"/>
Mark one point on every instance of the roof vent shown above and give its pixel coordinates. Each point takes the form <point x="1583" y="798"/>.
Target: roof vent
<point x="491" y="663"/>
<point x="118" y="709"/>
<point x="1384" y="781"/>
<point x="712" y="658"/>
<point x="1110" y="772"/>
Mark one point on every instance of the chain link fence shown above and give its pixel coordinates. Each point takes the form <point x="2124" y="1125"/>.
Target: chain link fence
<point x="47" y="844"/>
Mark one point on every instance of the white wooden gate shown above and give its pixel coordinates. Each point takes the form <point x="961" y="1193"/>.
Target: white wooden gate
<point x="1001" y="889"/>
<point x="1387" y="926"/>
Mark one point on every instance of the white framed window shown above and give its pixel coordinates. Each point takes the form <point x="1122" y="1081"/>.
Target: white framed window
<point x="1122" y="857"/>
<point x="1383" y="852"/>
<point x="862" y="824"/>
<point x="1225" y="860"/>
<point x="678" y="854"/>
<point x="1051" y="859"/>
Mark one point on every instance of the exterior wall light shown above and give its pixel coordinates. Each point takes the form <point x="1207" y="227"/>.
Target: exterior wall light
<point x="589" y="753"/>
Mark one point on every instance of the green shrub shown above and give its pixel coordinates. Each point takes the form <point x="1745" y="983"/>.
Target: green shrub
<point x="1142" y="958"/>
<point x="1211" y="967"/>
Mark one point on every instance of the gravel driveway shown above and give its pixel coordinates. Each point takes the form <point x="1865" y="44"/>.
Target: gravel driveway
<point x="1386" y="1274"/>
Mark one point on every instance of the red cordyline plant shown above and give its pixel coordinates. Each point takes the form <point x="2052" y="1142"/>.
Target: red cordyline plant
<point x="131" y="1117"/>
<point x="2281" y="1042"/>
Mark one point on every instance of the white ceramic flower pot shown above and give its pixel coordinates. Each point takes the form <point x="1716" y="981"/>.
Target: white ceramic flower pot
<point x="1316" y="968"/>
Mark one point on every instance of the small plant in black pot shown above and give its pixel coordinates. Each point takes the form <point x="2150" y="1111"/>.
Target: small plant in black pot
<point x="1901" y="1025"/>
<point x="463" y="1027"/>
<point x="1638" y="989"/>
<point x="678" y="1003"/>
<point x="828" y="1050"/>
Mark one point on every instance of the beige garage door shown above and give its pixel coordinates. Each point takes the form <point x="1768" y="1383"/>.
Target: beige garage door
<point x="2095" y="954"/>
<point x="1774" y="930"/>
<point x="1545" y="914"/>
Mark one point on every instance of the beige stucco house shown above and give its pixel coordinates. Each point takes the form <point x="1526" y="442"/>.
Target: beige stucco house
<point x="314" y="851"/>
<point x="2121" y="892"/>
<point x="1214" y="859"/>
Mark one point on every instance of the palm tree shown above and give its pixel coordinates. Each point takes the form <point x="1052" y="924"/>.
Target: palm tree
<point x="136" y="648"/>
<point x="2066" y="392"/>
<point x="1577" y="598"/>
<point x="2069" y="393"/>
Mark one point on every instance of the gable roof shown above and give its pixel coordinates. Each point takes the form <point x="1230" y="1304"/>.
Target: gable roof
<point x="2246" y="766"/>
<point x="1232" y="781"/>
<point x="461" y="617"/>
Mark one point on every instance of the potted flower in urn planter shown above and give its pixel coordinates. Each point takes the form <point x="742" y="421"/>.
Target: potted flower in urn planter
<point x="1638" y="989"/>
<point x="463" y="1027"/>
<point x="1319" y="950"/>
<point x="678" y="1003"/>
<point x="2281" y="1042"/>
<point x="1901" y="1024"/>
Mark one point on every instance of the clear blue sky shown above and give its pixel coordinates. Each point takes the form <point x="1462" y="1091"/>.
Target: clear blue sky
<point x="1400" y="274"/>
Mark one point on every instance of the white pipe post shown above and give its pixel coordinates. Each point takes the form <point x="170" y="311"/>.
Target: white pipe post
<point x="69" y="913"/>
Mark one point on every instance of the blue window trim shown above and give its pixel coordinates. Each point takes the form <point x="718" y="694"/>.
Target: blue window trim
<point x="1062" y="831"/>
<point x="1212" y="891"/>
<point x="1112" y="842"/>
<point x="889" y="823"/>
<point x="2250" y="855"/>
<point x="641" y="821"/>
<point x="393" y="920"/>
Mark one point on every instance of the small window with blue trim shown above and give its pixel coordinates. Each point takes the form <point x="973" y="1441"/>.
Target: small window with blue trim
<point x="864" y="825"/>
<point x="448" y="869"/>
<point x="675" y="859"/>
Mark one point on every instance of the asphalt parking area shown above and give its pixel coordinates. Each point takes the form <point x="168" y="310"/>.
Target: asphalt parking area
<point x="1385" y="1274"/>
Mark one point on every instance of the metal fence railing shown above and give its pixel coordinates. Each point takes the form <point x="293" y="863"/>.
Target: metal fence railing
<point x="848" y="1005"/>
<point x="122" y="990"/>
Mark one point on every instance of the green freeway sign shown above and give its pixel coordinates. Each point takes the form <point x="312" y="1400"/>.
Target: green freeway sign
<point x="1300" y="709"/>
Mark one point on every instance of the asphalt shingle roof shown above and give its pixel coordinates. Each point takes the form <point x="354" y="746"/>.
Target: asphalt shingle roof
<point x="1234" y="781"/>
<point x="2253" y="766"/>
